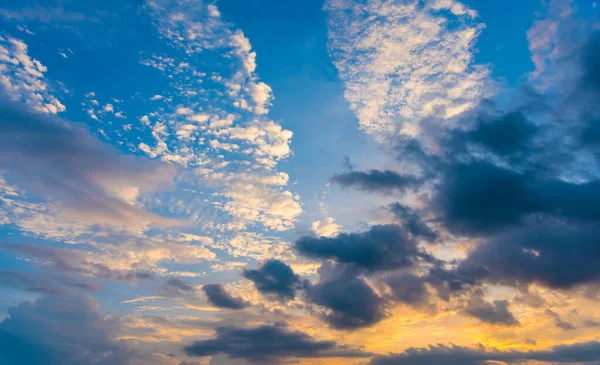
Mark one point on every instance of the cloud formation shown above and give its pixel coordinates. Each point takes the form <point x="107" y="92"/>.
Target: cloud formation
<point x="61" y="331"/>
<point x="274" y="277"/>
<point x="379" y="249"/>
<point x="404" y="62"/>
<point x="219" y="297"/>
<point x="578" y="353"/>
<point x="267" y="345"/>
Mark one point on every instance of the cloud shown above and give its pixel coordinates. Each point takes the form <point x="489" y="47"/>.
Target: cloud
<point x="219" y="297"/>
<point x="61" y="331"/>
<point x="412" y="222"/>
<point x="493" y="313"/>
<point x="67" y="166"/>
<point x="559" y="322"/>
<point x="404" y="62"/>
<point x="521" y="182"/>
<point x="267" y="345"/>
<point x="326" y="227"/>
<point x="409" y="289"/>
<point x="552" y="254"/>
<point x="376" y="181"/>
<point x="379" y="249"/>
<point x="578" y="353"/>
<point x="352" y="303"/>
<point x="273" y="277"/>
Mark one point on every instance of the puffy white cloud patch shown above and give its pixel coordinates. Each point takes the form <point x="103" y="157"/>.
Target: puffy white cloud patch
<point x="405" y="61"/>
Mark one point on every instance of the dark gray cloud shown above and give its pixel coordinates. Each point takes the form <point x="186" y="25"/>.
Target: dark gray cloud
<point x="381" y="248"/>
<point x="267" y="345"/>
<point x="412" y="222"/>
<point x="523" y="180"/>
<point x="61" y="331"/>
<point x="353" y="303"/>
<point x="219" y="297"/>
<point x="275" y="278"/>
<point x="496" y="312"/>
<point x="63" y="163"/>
<point x="376" y="181"/>
<point x="575" y="354"/>
<point x="409" y="289"/>
<point x="449" y="282"/>
<point x="553" y="254"/>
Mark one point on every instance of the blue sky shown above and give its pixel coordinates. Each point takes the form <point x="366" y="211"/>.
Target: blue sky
<point x="343" y="178"/>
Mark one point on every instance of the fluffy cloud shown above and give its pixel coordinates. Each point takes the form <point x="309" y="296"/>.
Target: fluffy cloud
<point x="494" y="313"/>
<point x="379" y="249"/>
<point x="22" y="77"/>
<point x="219" y="297"/>
<point x="275" y="278"/>
<point x="403" y="62"/>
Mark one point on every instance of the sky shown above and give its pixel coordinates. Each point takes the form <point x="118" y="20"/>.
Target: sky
<point x="377" y="182"/>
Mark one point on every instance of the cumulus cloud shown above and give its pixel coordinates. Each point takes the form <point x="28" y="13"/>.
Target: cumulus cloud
<point x="274" y="277"/>
<point x="219" y="297"/>
<point x="379" y="249"/>
<point x="584" y="352"/>
<point x="375" y="180"/>
<point x="521" y="180"/>
<point x="267" y="345"/>
<point x="61" y="331"/>
<point x="351" y="302"/>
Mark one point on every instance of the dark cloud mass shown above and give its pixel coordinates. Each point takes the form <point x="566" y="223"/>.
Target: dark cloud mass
<point x="376" y="181"/>
<point x="579" y="353"/>
<point x="267" y="345"/>
<point x="61" y="331"/>
<point x="275" y="278"/>
<point x="351" y="301"/>
<point x="219" y="297"/>
<point x="379" y="249"/>
<point x="522" y="180"/>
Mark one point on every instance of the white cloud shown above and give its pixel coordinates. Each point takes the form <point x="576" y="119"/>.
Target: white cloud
<point x="403" y="62"/>
<point x="22" y="77"/>
<point x="326" y="227"/>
